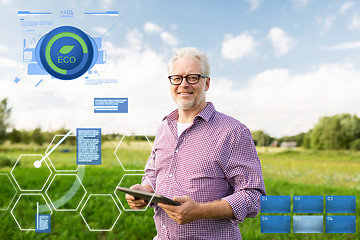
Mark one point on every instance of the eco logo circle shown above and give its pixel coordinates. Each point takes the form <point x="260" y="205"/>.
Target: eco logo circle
<point x="66" y="52"/>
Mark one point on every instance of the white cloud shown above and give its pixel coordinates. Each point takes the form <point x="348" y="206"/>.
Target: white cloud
<point x="151" y="27"/>
<point x="142" y="76"/>
<point x="343" y="46"/>
<point x="166" y="37"/>
<point x="281" y="42"/>
<point x="6" y="63"/>
<point x="135" y="39"/>
<point x="169" y="39"/>
<point x="5" y="2"/>
<point x="236" y="47"/>
<point x="301" y="3"/>
<point x="276" y="100"/>
<point x="106" y="4"/>
<point x="100" y="30"/>
<point x="254" y="4"/>
<point x="354" y="24"/>
<point x="282" y="103"/>
<point x="326" y="24"/>
<point x="346" y="6"/>
<point x="173" y="26"/>
<point x="3" y="48"/>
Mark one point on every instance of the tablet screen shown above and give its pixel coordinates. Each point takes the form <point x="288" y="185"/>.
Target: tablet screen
<point x="155" y="198"/>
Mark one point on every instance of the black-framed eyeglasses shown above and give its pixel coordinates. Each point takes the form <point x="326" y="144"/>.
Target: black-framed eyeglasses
<point x="191" y="78"/>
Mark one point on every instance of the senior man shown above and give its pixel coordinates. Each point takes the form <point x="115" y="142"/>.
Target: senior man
<point x="201" y="158"/>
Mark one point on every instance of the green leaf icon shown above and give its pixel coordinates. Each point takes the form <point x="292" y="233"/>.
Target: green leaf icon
<point x="66" y="49"/>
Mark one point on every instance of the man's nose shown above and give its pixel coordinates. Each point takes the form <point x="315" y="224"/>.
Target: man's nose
<point x="184" y="82"/>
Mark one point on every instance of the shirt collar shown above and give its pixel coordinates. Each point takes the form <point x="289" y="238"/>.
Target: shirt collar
<point x="205" y="114"/>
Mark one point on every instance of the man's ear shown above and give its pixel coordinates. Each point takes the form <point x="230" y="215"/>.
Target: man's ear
<point x="207" y="84"/>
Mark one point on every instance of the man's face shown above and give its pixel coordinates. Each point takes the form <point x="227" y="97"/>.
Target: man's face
<point x="189" y="96"/>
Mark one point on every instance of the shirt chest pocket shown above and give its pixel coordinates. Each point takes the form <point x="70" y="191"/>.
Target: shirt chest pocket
<point x="201" y="177"/>
<point x="199" y="165"/>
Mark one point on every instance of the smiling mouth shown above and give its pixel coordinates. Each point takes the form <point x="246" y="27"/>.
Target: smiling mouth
<point x="181" y="93"/>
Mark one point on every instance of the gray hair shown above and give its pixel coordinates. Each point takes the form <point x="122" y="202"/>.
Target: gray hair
<point x="191" y="52"/>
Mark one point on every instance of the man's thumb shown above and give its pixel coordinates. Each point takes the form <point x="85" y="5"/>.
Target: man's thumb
<point x="181" y="199"/>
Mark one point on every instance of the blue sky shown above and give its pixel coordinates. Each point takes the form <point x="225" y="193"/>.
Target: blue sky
<point x="275" y="65"/>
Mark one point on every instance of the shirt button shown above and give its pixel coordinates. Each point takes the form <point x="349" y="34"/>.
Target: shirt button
<point x="163" y="226"/>
<point x="176" y="150"/>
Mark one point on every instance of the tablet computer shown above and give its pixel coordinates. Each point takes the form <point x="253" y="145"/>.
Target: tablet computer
<point x="147" y="196"/>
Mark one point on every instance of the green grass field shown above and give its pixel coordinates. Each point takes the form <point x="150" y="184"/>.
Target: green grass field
<point x="295" y="172"/>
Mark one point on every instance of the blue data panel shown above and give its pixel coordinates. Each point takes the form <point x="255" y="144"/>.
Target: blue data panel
<point x="340" y="224"/>
<point x="308" y="204"/>
<point x="275" y="204"/>
<point x="98" y="42"/>
<point x="340" y="204"/>
<point x="275" y="224"/>
<point x="35" y="69"/>
<point x="88" y="146"/>
<point x="110" y="105"/>
<point x="42" y="223"/>
<point x="307" y="224"/>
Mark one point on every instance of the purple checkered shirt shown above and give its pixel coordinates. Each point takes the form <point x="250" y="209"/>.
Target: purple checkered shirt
<point x="214" y="158"/>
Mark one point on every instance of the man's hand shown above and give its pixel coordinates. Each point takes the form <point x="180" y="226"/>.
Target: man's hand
<point x="138" y="203"/>
<point x="188" y="211"/>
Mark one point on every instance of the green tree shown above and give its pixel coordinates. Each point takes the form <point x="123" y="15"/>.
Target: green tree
<point x="61" y="131"/>
<point x="299" y="139"/>
<point x="317" y="131"/>
<point x="37" y="136"/>
<point x="350" y="129"/>
<point x="261" y="138"/>
<point x="15" y="136"/>
<point x="307" y="141"/>
<point x="5" y="112"/>
<point x="355" y="145"/>
<point x="48" y="135"/>
<point x="336" y="132"/>
<point x="332" y="136"/>
<point x="25" y="137"/>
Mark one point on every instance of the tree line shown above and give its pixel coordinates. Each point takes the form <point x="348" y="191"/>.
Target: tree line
<point x="341" y="131"/>
<point x="40" y="137"/>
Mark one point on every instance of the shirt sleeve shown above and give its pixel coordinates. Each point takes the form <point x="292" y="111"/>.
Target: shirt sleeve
<point x="243" y="172"/>
<point x="149" y="177"/>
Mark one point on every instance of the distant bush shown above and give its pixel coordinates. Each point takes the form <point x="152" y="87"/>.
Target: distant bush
<point x="6" y="161"/>
<point x="336" y="132"/>
<point x="355" y="145"/>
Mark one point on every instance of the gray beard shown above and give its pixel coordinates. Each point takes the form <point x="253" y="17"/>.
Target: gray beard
<point x="186" y="105"/>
